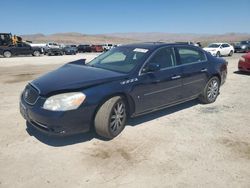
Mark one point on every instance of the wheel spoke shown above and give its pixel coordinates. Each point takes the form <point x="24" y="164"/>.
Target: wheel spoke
<point x="113" y="117"/>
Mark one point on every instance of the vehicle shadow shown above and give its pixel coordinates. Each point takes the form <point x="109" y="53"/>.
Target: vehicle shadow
<point x="242" y="73"/>
<point x="59" y="141"/>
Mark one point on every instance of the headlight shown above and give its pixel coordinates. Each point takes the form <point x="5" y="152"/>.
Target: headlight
<point x="64" y="102"/>
<point x="243" y="47"/>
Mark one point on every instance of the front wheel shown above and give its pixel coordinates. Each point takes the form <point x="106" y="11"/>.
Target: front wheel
<point x="211" y="91"/>
<point x="7" y="54"/>
<point x="110" y="119"/>
<point x="218" y="54"/>
<point x="230" y="53"/>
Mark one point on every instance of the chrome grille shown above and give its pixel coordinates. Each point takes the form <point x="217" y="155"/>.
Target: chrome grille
<point x="30" y="94"/>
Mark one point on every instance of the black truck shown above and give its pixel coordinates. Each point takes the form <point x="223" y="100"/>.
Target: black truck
<point x="21" y="48"/>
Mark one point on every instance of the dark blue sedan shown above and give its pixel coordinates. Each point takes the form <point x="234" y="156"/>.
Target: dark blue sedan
<point x="124" y="82"/>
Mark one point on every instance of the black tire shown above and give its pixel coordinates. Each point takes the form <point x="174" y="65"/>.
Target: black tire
<point x="210" y="92"/>
<point x="111" y="118"/>
<point x="7" y="54"/>
<point x="36" y="53"/>
<point x="218" y="54"/>
<point x="231" y="53"/>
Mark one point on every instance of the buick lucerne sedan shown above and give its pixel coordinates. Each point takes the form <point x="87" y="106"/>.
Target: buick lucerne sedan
<point x="124" y="82"/>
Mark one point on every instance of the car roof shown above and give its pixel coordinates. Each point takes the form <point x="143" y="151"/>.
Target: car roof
<point x="153" y="45"/>
<point x="219" y="43"/>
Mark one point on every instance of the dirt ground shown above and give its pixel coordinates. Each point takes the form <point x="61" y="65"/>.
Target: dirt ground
<point x="189" y="145"/>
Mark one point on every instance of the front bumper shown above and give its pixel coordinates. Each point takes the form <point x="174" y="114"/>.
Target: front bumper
<point x="57" y="123"/>
<point x="213" y="53"/>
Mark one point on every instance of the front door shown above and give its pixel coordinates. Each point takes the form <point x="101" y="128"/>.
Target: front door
<point x="23" y="49"/>
<point x="159" y="88"/>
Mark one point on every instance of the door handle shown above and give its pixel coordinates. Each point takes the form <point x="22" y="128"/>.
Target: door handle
<point x="156" y="81"/>
<point x="204" y="70"/>
<point x="175" y="77"/>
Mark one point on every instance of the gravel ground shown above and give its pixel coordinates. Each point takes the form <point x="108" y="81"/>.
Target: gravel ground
<point x="189" y="145"/>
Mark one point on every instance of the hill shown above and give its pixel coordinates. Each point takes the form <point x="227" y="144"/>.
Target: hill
<point x="121" y="38"/>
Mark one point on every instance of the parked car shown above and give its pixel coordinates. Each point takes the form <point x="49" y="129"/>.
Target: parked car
<point x="124" y="82"/>
<point x="107" y="47"/>
<point x="97" y="48"/>
<point x="84" y="48"/>
<point x="243" y="46"/>
<point x="21" y="48"/>
<point x="53" y="48"/>
<point x="244" y="63"/>
<point x="69" y="50"/>
<point x="220" y="49"/>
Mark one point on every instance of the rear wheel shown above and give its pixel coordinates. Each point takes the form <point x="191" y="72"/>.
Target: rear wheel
<point x="111" y="118"/>
<point x="36" y="53"/>
<point x="230" y="53"/>
<point x="218" y="54"/>
<point x="211" y="91"/>
<point x="7" y="54"/>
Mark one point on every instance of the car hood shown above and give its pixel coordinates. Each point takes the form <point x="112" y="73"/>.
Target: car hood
<point x="73" y="77"/>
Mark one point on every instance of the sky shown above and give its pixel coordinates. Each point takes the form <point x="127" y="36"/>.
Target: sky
<point x="121" y="16"/>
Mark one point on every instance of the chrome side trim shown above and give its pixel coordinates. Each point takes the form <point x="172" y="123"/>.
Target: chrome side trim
<point x="162" y="90"/>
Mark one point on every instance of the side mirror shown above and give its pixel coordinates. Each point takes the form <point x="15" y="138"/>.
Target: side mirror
<point x="152" y="67"/>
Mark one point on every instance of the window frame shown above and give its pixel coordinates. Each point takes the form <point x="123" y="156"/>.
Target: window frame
<point x="152" y="55"/>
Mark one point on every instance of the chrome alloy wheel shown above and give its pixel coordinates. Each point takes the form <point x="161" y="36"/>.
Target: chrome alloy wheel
<point x="213" y="90"/>
<point x="118" y="117"/>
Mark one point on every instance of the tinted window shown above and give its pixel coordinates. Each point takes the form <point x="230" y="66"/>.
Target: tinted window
<point x="188" y="55"/>
<point x="225" y="45"/>
<point x="213" y="45"/>
<point x="164" y="57"/>
<point x="19" y="44"/>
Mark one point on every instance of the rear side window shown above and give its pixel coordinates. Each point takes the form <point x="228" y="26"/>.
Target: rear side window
<point x="164" y="57"/>
<point x="189" y="55"/>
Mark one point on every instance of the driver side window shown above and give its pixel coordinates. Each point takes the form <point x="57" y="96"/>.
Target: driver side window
<point x="164" y="57"/>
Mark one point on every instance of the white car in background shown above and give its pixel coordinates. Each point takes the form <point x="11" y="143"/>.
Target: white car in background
<point x="220" y="49"/>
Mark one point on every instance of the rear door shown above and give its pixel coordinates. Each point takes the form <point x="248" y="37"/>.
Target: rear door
<point x="194" y="70"/>
<point x="159" y="88"/>
<point x="225" y="49"/>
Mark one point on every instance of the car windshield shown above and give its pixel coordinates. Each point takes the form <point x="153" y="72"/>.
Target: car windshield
<point x="120" y="59"/>
<point x="214" y="46"/>
<point x="243" y="42"/>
